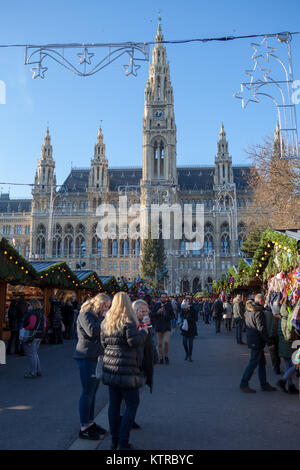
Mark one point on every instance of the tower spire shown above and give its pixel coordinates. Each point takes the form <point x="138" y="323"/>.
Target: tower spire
<point x="159" y="36"/>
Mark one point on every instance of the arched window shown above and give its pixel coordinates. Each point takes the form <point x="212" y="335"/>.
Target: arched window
<point x="241" y="235"/>
<point x="68" y="241"/>
<point x="41" y="241"/>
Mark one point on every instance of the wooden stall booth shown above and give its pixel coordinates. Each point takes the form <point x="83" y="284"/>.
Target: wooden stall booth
<point x="14" y="271"/>
<point x="89" y="284"/>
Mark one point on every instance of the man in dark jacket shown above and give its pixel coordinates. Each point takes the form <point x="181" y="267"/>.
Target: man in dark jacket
<point x="163" y="314"/>
<point x="217" y="313"/>
<point x="257" y="339"/>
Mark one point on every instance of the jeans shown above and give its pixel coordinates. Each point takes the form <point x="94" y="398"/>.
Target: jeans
<point x="257" y="358"/>
<point x="163" y="343"/>
<point x="238" y="329"/>
<point x="120" y="431"/>
<point x="90" y="384"/>
<point x="289" y="370"/>
<point x="274" y="354"/>
<point x="31" y="351"/>
<point x="188" y="345"/>
<point x="228" y="324"/>
<point x="218" y="325"/>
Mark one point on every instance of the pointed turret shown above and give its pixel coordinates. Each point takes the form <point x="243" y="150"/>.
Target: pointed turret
<point x="223" y="161"/>
<point x="45" y="177"/>
<point x="159" y="36"/>
<point x="98" y="177"/>
<point x="278" y="144"/>
<point x="159" y="129"/>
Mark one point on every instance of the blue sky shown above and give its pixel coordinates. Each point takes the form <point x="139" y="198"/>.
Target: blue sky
<point x="204" y="78"/>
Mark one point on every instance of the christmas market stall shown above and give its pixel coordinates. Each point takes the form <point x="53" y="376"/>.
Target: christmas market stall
<point x="14" y="271"/>
<point x="274" y="267"/>
<point x="89" y="284"/>
<point x="54" y="279"/>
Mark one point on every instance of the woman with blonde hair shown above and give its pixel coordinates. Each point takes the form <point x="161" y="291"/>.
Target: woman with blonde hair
<point x="88" y="349"/>
<point x="122" y="339"/>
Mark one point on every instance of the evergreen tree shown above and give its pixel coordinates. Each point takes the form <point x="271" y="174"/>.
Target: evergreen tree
<point x="154" y="261"/>
<point x="249" y="246"/>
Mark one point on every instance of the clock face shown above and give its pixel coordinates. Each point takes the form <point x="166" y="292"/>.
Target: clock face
<point x="158" y="114"/>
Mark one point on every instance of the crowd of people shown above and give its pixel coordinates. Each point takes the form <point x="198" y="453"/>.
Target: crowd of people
<point x="120" y="338"/>
<point x="28" y="316"/>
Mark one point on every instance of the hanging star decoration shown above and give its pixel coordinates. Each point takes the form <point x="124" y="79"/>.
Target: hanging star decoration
<point x="39" y="71"/>
<point x="131" y="68"/>
<point x="259" y="75"/>
<point x="247" y="94"/>
<point x="262" y="50"/>
<point x="256" y="73"/>
<point x="85" y="56"/>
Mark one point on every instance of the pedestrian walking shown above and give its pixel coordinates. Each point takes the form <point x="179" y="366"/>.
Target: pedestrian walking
<point x="217" y="313"/>
<point x="239" y="317"/>
<point x="189" y="328"/>
<point x="122" y="341"/>
<point x="34" y="321"/>
<point x="286" y="337"/>
<point x="227" y="313"/>
<point x="206" y="308"/>
<point x="56" y="324"/>
<point x="272" y="330"/>
<point x="257" y="338"/>
<point x="68" y="315"/>
<point x="88" y="349"/>
<point x="163" y="314"/>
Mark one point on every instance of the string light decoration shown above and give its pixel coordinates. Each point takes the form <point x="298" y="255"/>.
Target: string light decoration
<point x="278" y="88"/>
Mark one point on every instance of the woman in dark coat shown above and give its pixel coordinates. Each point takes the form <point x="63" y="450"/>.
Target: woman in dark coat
<point x="122" y="340"/>
<point x="188" y="313"/>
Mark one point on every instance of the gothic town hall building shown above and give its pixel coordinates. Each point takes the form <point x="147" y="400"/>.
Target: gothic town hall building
<point x="59" y="222"/>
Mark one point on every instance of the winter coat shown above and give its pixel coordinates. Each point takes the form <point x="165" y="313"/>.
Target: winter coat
<point x="206" y="308"/>
<point x="285" y="336"/>
<point x="256" y="329"/>
<point x="35" y="319"/>
<point x="12" y="316"/>
<point x="191" y="316"/>
<point x="88" y="332"/>
<point x="217" y="309"/>
<point x="227" y="310"/>
<point x="67" y="311"/>
<point x="163" y="321"/>
<point x="55" y="313"/>
<point x="271" y="323"/>
<point x="238" y="309"/>
<point x="149" y="359"/>
<point x="123" y="357"/>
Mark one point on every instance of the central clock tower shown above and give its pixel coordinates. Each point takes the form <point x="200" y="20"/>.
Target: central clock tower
<point x="159" y="129"/>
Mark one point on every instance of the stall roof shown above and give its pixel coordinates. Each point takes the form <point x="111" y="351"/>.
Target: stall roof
<point x="13" y="267"/>
<point x="40" y="266"/>
<point x="292" y="233"/>
<point x="248" y="261"/>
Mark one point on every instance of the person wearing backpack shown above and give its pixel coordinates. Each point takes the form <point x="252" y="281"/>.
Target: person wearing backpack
<point x="287" y="335"/>
<point x="34" y="320"/>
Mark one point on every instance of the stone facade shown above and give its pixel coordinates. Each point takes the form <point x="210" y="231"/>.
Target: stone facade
<point x="59" y="223"/>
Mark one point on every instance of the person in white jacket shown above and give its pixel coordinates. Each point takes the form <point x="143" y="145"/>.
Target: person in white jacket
<point x="228" y="313"/>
